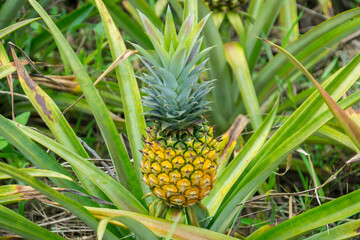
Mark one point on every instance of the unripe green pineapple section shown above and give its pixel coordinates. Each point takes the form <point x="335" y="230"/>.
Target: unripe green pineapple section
<point x="180" y="167"/>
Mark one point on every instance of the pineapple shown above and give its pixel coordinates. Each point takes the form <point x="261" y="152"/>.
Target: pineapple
<point x="180" y="156"/>
<point x="225" y="5"/>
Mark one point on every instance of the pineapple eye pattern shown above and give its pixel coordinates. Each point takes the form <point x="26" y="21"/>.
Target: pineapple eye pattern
<point x="184" y="179"/>
<point x="225" y="5"/>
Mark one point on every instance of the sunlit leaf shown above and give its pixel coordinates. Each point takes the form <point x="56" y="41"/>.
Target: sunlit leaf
<point x="162" y="227"/>
<point x="39" y="173"/>
<point x="129" y="91"/>
<point x="57" y="123"/>
<point x="13" y="222"/>
<point x="5" y="31"/>
<point x="235" y="56"/>
<point x="350" y="127"/>
<point x="73" y="206"/>
<point x="112" y="139"/>
<point x="139" y="230"/>
<point x="236" y="167"/>
<point x="332" y="211"/>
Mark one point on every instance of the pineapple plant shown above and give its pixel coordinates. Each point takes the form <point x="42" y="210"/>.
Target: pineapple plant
<point x="180" y="156"/>
<point x="179" y="132"/>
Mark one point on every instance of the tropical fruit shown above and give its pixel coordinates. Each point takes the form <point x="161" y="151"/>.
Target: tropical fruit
<point x="180" y="156"/>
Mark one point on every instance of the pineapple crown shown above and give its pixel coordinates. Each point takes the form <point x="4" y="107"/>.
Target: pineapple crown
<point x="173" y="91"/>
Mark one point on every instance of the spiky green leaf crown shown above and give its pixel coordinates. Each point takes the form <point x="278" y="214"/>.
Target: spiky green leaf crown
<point x="173" y="91"/>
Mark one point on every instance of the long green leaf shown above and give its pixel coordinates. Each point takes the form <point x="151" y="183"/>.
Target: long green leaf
<point x="261" y="171"/>
<point x="265" y="19"/>
<point x="336" y="86"/>
<point x="335" y="210"/>
<point x="350" y="127"/>
<point x="233" y="171"/>
<point x="120" y="196"/>
<point x="125" y="22"/>
<point x="300" y="125"/>
<point x="162" y="227"/>
<point x="6" y="31"/>
<point x="337" y="136"/>
<point x="310" y="45"/>
<point x="53" y="118"/>
<point x="38" y="156"/>
<point x="288" y="20"/>
<point x="7" y="69"/>
<point x="219" y="70"/>
<point x="253" y="11"/>
<point x="348" y="230"/>
<point x="238" y="25"/>
<point x="236" y="58"/>
<point x="130" y="95"/>
<point x="259" y="232"/>
<point x="140" y="231"/>
<point x="112" y="139"/>
<point x="73" y="206"/>
<point x="39" y="173"/>
<point x="13" y="222"/>
<point x="11" y="193"/>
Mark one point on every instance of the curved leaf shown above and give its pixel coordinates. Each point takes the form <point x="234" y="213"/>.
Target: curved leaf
<point x="259" y="173"/>
<point x="236" y="58"/>
<point x="38" y="156"/>
<point x="310" y="45"/>
<point x="232" y="172"/>
<point x="73" y="206"/>
<point x="350" y="127"/>
<point x="125" y="22"/>
<point x="5" y="31"/>
<point x="309" y="117"/>
<point x="120" y="196"/>
<point x="13" y="222"/>
<point x="344" y="231"/>
<point x="129" y="91"/>
<point x="140" y="231"/>
<point x="266" y="16"/>
<point x="39" y="173"/>
<point x="112" y="139"/>
<point x="219" y="70"/>
<point x="335" y="210"/>
<point x="162" y="227"/>
<point x="51" y="115"/>
<point x="336" y="135"/>
<point x="6" y="69"/>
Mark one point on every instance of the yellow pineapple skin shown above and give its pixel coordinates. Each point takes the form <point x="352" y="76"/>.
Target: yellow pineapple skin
<point x="180" y="166"/>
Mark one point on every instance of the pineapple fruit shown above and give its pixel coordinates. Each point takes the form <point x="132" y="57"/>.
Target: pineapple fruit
<point x="225" y="5"/>
<point x="180" y="156"/>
